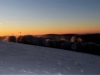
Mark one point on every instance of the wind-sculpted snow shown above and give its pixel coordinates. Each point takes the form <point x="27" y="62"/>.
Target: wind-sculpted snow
<point x="27" y="59"/>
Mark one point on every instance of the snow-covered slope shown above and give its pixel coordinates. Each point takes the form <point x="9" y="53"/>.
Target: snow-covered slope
<point x="27" y="59"/>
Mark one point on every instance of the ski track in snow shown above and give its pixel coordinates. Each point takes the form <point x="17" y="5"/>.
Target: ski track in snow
<point x="28" y="59"/>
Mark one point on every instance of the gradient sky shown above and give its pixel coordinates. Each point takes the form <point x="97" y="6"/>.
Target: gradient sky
<point x="49" y="16"/>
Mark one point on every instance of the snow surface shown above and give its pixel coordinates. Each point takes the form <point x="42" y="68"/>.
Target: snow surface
<point x="27" y="59"/>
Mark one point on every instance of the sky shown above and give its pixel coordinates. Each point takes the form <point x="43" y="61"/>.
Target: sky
<point x="39" y="17"/>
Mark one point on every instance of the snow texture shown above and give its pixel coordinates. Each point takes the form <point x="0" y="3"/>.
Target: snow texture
<point x="29" y="59"/>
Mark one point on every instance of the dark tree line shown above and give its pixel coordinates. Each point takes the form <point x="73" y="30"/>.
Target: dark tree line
<point x="76" y="44"/>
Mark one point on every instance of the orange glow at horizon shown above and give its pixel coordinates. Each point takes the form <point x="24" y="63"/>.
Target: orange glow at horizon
<point x="50" y="31"/>
<point x="46" y="28"/>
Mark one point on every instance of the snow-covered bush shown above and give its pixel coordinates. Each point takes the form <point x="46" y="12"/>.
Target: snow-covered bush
<point x="99" y="49"/>
<point x="77" y="46"/>
<point x="55" y="43"/>
<point x="76" y="39"/>
<point x="93" y="48"/>
<point x="84" y="47"/>
<point x="51" y="43"/>
<point x="66" y="45"/>
<point x="28" y="39"/>
<point x="12" y="39"/>
<point x="90" y="48"/>
<point x="74" y="46"/>
<point x="18" y="39"/>
<point x="41" y="41"/>
<point x="59" y="43"/>
<point x="80" y="40"/>
<point x="80" y="47"/>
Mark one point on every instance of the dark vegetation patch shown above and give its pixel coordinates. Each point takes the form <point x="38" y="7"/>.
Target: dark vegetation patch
<point x="12" y="39"/>
<point x="87" y="43"/>
<point x="95" y="38"/>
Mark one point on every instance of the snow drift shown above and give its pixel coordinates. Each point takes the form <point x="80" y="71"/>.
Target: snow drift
<point x="27" y="59"/>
